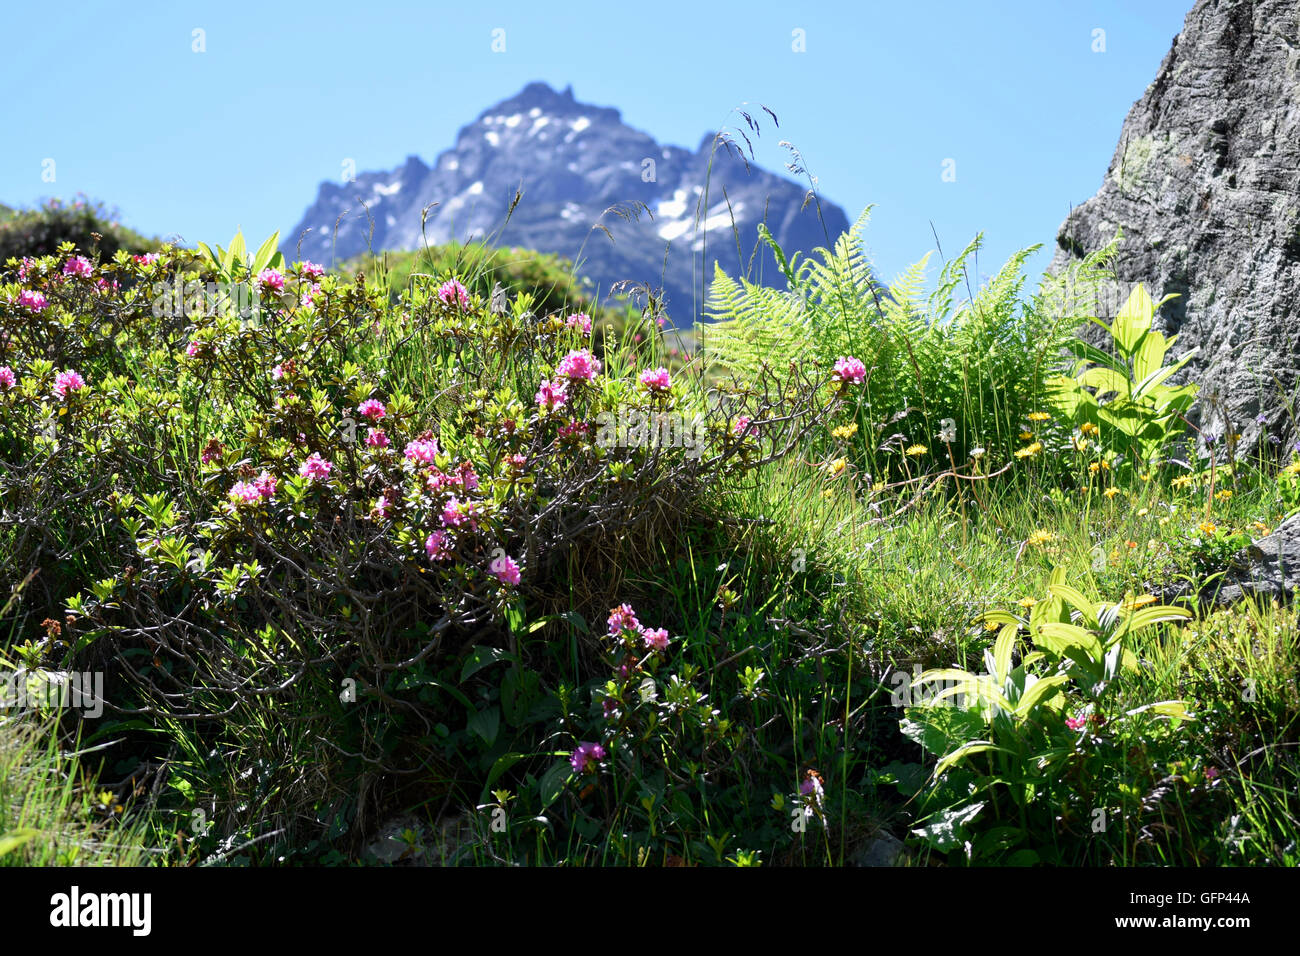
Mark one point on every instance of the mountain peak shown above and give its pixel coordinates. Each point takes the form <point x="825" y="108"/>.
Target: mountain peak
<point x="574" y="162"/>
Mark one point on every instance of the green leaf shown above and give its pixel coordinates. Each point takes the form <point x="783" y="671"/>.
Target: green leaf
<point x="554" y="781"/>
<point x="1041" y="690"/>
<point x="235" y="254"/>
<point x="485" y="724"/>
<point x="1134" y="319"/>
<point x="481" y="657"/>
<point x="964" y="751"/>
<point x="262" y="258"/>
<point x="939" y="730"/>
<point x="948" y="827"/>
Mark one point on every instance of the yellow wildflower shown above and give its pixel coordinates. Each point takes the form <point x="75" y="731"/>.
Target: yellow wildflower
<point x="1039" y="538"/>
<point x="1182" y="481"/>
<point x="1039" y="416"/>
<point x="1088" y="428"/>
<point x="845" y="431"/>
<point x="1026" y="436"/>
<point x="1293" y="468"/>
<point x="1111" y="492"/>
<point x="1143" y="512"/>
<point x="1029" y="451"/>
<point x="836" y="467"/>
<point x="1223" y="494"/>
<point x="1027" y="602"/>
<point x="914" y="451"/>
<point x="1207" y="527"/>
<point x="1260" y="527"/>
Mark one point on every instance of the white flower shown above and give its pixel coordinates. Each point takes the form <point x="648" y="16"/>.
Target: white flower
<point x="947" y="431"/>
<point x="977" y="453"/>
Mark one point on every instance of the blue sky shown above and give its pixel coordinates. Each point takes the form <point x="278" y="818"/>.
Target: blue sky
<point x="241" y="135"/>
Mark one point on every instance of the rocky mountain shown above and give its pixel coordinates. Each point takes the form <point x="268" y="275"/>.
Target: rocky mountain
<point x="1205" y="184"/>
<point x="573" y="161"/>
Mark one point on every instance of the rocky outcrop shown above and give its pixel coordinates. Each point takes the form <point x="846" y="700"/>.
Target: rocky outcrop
<point x="1205" y="185"/>
<point x="573" y="162"/>
<point x="1267" y="569"/>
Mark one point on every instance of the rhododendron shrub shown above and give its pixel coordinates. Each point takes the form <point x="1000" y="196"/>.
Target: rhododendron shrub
<point x="257" y="506"/>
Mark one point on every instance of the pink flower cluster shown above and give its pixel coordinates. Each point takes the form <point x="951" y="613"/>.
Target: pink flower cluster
<point x="657" y="380"/>
<point x="587" y="756"/>
<point x="423" y="450"/>
<point x="253" y="492"/>
<point x="452" y="292"/>
<point x="376" y="438"/>
<point x="311" y="270"/>
<point x="742" y="427"/>
<point x="31" y="300"/>
<point x="271" y="279"/>
<point x="78" y="266"/>
<point x="7" y="377"/>
<point x="438" y="545"/>
<point x="505" y="570"/>
<point x="623" y="618"/>
<point x="551" y="395"/>
<point x="578" y="365"/>
<point x="581" y="322"/>
<point x="850" y="370"/>
<point x="316" y="468"/>
<point x="372" y="409"/>
<point x="68" y="381"/>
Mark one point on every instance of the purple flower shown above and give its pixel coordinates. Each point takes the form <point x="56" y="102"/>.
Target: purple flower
<point x="623" y="618"/>
<point x="585" y="756"/>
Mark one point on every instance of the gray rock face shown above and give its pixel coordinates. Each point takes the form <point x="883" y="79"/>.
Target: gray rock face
<point x="572" y="162"/>
<point x="1268" y="569"/>
<point x="1205" y="184"/>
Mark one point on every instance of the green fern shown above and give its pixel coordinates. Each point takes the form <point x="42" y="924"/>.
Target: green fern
<point x="979" y="356"/>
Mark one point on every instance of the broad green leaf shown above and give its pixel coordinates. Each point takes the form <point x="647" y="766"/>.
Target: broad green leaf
<point x="481" y="657"/>
<point x="964" y="751"/>
<point x="1075" y="597"/>
<point x="485" y="724"/>
<point x="262" y="258"/>
<point x="1134" y="319"/>
<point x="1041" y="690"/>
<point x="947" y="829"/>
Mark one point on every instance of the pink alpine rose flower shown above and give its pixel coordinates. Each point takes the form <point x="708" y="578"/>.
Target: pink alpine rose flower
<point x="7" y="377"/>
<point x="424" y="450"/>
<point x="657" y="380"/>
<point x="271" y="279"/>
<point x="505" y="570"/>
<point x="312" y="270"/>
<point x="438" y="545"/>
<point x="452" y="292"/>
<point x="68" y="381"/>
<point x="316" y="468"/>
<point x="32" y="300"/>
<point x="372" y="409"/>
<point x="656" y="639"/>
<point x="578" y="365"/>
<point x="78" y="266"/>
<point x="245" y="493"/>
<point x="850" y="370"/>
<point x="580" y="322"/>
<point x="551" y="395"/>
<point x="623" y="618"/>
<point x="265" y="484"/>
<point x="376" y="438"/>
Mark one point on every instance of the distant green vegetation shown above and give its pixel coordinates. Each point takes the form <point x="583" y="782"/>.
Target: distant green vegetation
<point x="40" y="231"/>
